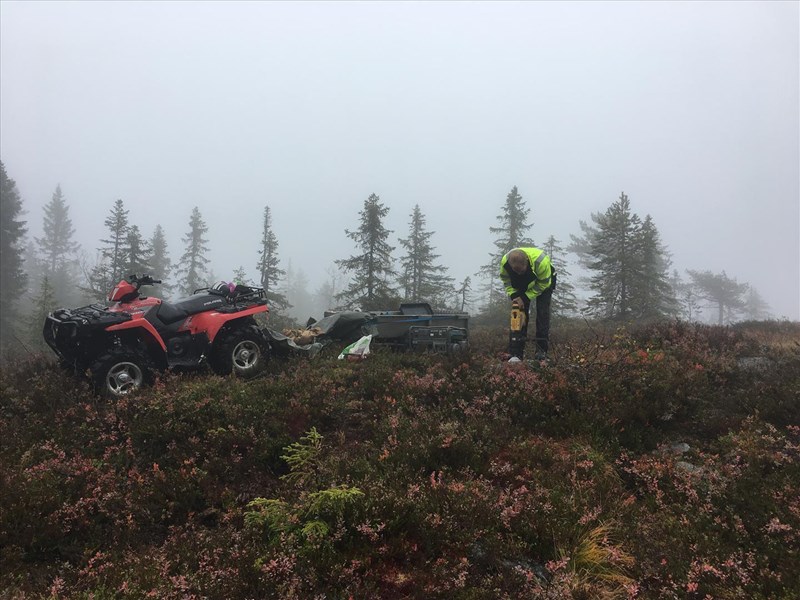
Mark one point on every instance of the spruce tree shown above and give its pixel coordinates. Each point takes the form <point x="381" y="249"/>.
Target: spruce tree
<point x="653" y="296"/>
<point x="116" y="249"/>
<point x="755" y="307"/>
<point x="240" y="277"/>
<point x="269" y="265"/>
<point x="98" y="279"/>
<point x="512" y="232"/>
<point x="56" y="246"/>
<point x="194" y="264"/>
<point x="581" y="246"/>
<point x="372" y="270"/>
<point x="564" y="302"/>
<point x="686" y="296"/>
<point x="43" y="304"/>
<point x="719" y="289"/>
<point x="57" y="249"/>
<point x="513" y="228"/>
<point x="464" y="293"/>
<point x="325" y="295"/>
<point x="628" y="265"/>
<point x="33" y="267"/>
<point x="13" y="279"/>
<point x="298" y="295"/>
<point x="113" y="255"/>
<point x="616" y="262"/>
<point x="421" y="279"/>
<point x="160" y="263"/>
<point x="138" y="253"/>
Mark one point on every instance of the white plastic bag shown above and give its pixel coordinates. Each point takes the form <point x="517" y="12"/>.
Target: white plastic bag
<point x="358" y="350"/>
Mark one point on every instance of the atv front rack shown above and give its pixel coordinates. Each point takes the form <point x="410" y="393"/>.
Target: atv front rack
<point x="65" y="329"/>
<point x="94" y="314"/>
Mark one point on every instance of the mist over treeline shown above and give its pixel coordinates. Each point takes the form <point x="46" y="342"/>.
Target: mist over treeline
<point x="615" y="267"/>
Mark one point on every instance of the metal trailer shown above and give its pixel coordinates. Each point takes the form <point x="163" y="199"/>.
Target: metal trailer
<point x="417" y="327"/>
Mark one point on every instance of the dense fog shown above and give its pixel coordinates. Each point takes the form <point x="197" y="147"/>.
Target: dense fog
<point x="690" y="109"/>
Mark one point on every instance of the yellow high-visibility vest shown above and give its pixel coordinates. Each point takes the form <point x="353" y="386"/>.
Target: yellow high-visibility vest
<point x="542" y="272"/>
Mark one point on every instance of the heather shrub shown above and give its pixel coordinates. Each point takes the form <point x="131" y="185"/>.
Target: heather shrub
<point x="653" y="462"/>
<point x="711" y="528"/>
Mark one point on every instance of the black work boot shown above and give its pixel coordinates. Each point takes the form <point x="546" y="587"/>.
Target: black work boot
<point x="516" y="344"/>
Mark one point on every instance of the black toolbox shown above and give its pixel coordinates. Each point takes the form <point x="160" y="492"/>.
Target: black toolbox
<point x="437" y="338"/>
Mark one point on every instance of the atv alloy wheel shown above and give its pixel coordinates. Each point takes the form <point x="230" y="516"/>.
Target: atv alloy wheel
<point x="120" y="373"/>
<point x="241" y="350"/>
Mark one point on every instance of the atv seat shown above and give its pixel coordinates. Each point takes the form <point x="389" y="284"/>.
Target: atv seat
<point x="169" y="313"/>
<point x="198" y="303"/>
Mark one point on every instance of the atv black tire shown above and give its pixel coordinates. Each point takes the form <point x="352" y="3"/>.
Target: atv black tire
<point x="121" y="372"/>
<point x="241" y="350"/>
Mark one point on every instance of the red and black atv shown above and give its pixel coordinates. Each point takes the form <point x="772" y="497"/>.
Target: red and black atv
<point x="123" y="344"/>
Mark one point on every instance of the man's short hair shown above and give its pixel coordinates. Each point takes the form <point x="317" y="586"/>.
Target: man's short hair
<point x="517" y="257"/>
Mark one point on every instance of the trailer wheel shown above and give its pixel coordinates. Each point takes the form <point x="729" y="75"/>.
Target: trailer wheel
<point x="242" y="350"/>
<point x="121" y="372"/>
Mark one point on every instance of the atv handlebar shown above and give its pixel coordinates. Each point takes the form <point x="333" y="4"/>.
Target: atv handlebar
<point x="139" y="281"/>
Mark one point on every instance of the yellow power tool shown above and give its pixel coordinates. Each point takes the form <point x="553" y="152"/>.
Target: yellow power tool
<point x="517" y="336"/>
<point x="518" y="318"/>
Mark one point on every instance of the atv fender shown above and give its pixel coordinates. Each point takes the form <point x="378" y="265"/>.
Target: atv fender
<point x="212" y="322"/>
<point x="140" y="323"/>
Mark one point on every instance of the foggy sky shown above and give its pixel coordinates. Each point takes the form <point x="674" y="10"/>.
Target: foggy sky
<point x="691" y="109"/>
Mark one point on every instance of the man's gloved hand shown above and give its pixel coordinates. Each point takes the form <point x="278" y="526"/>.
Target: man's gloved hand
<point x="517" y="302"/>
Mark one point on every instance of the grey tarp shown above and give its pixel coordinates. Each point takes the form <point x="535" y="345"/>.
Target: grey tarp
<point x="344" y="327"/>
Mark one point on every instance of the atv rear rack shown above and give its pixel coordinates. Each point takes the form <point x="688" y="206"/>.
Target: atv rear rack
<point x="242" y="297"/>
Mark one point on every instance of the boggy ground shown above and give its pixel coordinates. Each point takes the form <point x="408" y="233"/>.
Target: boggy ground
<point x="662" y="462"/>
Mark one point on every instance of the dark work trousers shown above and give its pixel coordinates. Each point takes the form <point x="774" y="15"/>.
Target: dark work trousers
<point x="542" y="321"/>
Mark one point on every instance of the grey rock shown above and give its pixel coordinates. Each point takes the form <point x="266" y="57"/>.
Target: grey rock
<point x="680" y="448"/>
